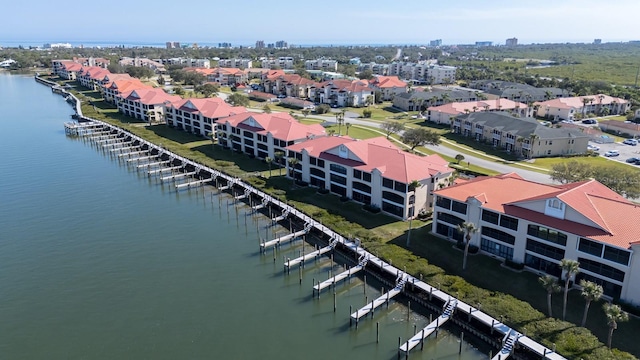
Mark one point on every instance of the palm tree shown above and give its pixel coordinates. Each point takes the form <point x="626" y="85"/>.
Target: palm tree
<point x="347" y="125"/>
<point x="550" y="284"/>
<point x="532" y="139"/>
<point x="591" y="292"/>
<point x="570" y="268"/>
<point x="614" y="315"/>
<point x="292" y="163"/>
<point x="467" y="228"/>
<point x="340" y="120"/>
<point x="305" y="112"/>
<point x="269" y="160"/>
<point x="279" y="155"/>
<point x="585" y="101"/>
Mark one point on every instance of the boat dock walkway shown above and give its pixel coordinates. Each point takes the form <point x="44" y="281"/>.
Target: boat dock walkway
<point x="419" y="337"/>
<point x="343" y="275"/>
<point x="508" y="343"/>
<point x="160" y="171"/>
<point x="370" y="308"/>
<point x="276" y="242"/>
<point x="302" y="259"/>
<point x="192" y="183"/>
<point x="177" y="176"/>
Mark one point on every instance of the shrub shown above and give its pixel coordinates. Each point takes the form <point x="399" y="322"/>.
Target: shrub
<point x="302" y="183"/>
<point x="323" y="191"/>
<point x="344" y="198"/>
<point x="322" y="109"/>
<point x="371" y="208"/>
<point x="366" y="113"/>
<point x="514" y="265"/>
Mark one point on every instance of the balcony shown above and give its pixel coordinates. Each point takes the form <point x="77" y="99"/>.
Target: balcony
<point x="526" y="146"/>
<point x="497" y="136"/>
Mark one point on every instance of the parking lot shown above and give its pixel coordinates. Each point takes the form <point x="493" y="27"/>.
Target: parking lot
<point x="626" y="151"/>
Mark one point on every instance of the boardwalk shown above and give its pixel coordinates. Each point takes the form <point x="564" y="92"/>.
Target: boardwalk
<point x="419" y="337"/>
<point x="385" y="298"/>
<point x="343" y="275"/>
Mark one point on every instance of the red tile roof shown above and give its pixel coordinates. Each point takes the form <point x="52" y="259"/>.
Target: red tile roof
<point x="384" y="82"/>
<point x="213" y="108"/>
<point x="597" y="203"/>
<point x="149" y="96"/>
<point x="282" y="126"/>
<point x="124" y="85"/>
<point x="456" y="108"/>
<point x="577" y="101"/>
<point x="376" y="153"/>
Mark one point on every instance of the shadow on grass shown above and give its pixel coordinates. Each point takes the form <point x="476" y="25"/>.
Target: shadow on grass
<point x="244" y="162"/>
<point x="181" y="137"/>
<point x="488" y="149"/>
<point x="391" y="109"/>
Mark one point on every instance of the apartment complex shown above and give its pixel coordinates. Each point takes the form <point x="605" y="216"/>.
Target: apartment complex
<point x="156" y="66"/>
<point x="284" y="62"/>
<point x="444" y="113"/>
<point x="145" y="104"/>
<point x="518" y="92"/>
<point x="373" y="172"/>
<point x="342" y="93"/>
<point x="568" y="108"/>
<point x="321" y="64"/>
<point x="525" y="137"/>
<point x="263" y="135"/>
<point x="424" y="72"/>
<point x="388" y="86"/>
<point x="236" y="63"/>
<point x="199" y="116"/>
<point x="539" y="224"/>
<point x="413" y="101"/>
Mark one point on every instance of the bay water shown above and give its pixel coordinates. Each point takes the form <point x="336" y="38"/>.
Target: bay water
<point x="101" y="261"/>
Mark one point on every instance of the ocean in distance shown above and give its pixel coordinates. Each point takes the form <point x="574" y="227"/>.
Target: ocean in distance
<point x="100" y="261"/>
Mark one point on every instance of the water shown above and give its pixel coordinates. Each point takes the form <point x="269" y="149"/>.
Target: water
<point x="98" y="261"/>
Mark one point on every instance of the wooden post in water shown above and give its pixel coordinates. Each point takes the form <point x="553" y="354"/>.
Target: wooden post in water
<point x="300" y="274"/>
<point x="461" y="341"/>
<point x="334" y="302"/>
<point x="350" y="318"/>
<point x="415" y="329"/>
<point x="365" y="285"/>
<point x="274" y="254"/>
<point x="408" y="310"/>
<point x="377" y="332"/>
<point x="399" y="344"/>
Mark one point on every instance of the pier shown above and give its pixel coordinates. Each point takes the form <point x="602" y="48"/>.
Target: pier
<point x="419" y="337"/>
<point x="276" y="242"/>
<point x="177" y="176"/>
<point x="90" y="127"/>
<point x="192" y="184"/>
<point x="343" y="275"/>
<point x="508" y="342"/>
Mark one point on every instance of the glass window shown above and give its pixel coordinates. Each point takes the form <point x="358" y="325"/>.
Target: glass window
<point x="317" y="172"/>
<point x="320" y="163"/>
<point x="451" y="219"/>
<point x="610" y="289"/>
<point x="601" y="269"/>
<point x="590" y="247"/>
<point x="393" y="209"/>
<point x="338" y="179"/>
<point x="366" y="177"/>
<point x="546" y="250"/>
<point x="547" y="234"/>
<point x="500" y="250"/>
<point x="338" y="168"/>
<point x="443" y="202"/>
<point x="543" y="265"/>
<point x="498" y="235"/>
<point x="357" y="174"/>
<point x="459" y="207"/>
<point x="393" y="197"/>
<point x="616" y="255"/>
<point x="388" y="183"/>
<point x="490" y="216"/>
<point x="508" y="222"/>
<point x="362" y="187"/>
<point x="312" y="160"/>
<point x="401" y="187"/>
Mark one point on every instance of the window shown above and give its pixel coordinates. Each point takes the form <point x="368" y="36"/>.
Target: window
<point x="248" y="134"/>
<point x="312" y="160"/>
<point x="555" y="203"/>
<point x="338" y="168"/>
<point x="366" y="177"/>
<point x="490" y="216"/>
<point x="459" y="207"/>
<point x="543" y="265"/>
<point x="338" y="179"/>
<point x="601" y="269"/>
<point x="616" y="255"/>
<point x="451" y="219"/>
<point x="546" y="250"/>
<point x="508" y="222"/>
<point x="590" y="247"/>
<point x="498" y="235"/>
<point x="362" y="187"/>
<point x="317" y="172"/>
<point x="392" y="197"/>
<point x="610" y="289"/>
<point x="357" y="174"/>
<point x="491" y="247"/>
<point x="388" y="183"/>
<point x="393" y="209"/>
<point x="321" y="163"/>
<point x="443" y="202"/>
<point x="547" y="234"/>
<point x="401" y="187"/>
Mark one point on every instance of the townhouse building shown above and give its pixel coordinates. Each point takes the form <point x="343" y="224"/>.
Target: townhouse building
<point x="114" y="87"/>
<point x="444" y="113"/>
<point x="524" y="137"/>
<point x="540" y="224"/>
<point x="222" y="76"/>
<point x="156" y="66"/>
<point x="571" y="108"/>
<point x="518" y="92"/>
<point x="281" y="62"/>
<point x="263" y="135"/>
<point x="424" y="71"/>
<point x="236" y="63"/>
<point x="199" y="116"/>
<point x="69" y="70"/>
<point x="92" y="77"/>
<point x="416" y="100"/>
<point x="321" y="64"/>
<point x="388" y="86"/>
<point x="91" y="61"/>
<point x="288" y="85"/>
<point x="373" y="172"/>
<point x="342" y="93"/>
<point x="188" y="62"/>
<point x="375" y="68"/>
<point x="145" y="104"/>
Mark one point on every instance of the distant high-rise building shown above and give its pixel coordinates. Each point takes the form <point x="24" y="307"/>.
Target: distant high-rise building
<point x="484" y="43"/>
<point x="260" y="44"/>
<point x="281" y="44"/>
<point x="437" y="42"/>
<point x="512" y="42"/>
<point x="597" y="41"/>
<point x="173" y="44"/>
<point x="225" y="45"/>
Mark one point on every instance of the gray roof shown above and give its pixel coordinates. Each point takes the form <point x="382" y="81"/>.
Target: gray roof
<point x="427" y="95"/>
<point x="522" y="127"/>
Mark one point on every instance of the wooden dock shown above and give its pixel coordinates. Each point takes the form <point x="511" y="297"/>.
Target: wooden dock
<point x="419" y="337"/>
<point x="302" y="259"/>
<point x="150" y="157"/>
<point x="343" y="275"/>
<point x="283" y="216"/>
<point x="177" y="176"/>
<point x="370" y="308"/>
<point x="508" y="344"/>
<point x="192" y="184"/>
<point x="160" y="171"/>
<point x="276" y="242"/>
<point x="148" y="165"/>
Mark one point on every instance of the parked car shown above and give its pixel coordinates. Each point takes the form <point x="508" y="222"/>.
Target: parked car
<point x="632" y="142"/>
<point x="590" y="121"/>
<point x="633" y="160"/>
<point x="593" y="147"/>
<point x="612" y="153"/>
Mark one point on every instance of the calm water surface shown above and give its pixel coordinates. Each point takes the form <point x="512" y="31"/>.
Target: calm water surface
<point x="97" y="261"/>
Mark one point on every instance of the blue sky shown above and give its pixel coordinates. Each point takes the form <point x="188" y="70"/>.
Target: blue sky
<point x="331" y="22"/>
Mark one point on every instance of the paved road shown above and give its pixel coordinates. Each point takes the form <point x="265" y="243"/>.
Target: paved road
<point x="487" y="164"/>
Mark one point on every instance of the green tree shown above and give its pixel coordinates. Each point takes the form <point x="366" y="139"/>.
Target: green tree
<point x="269" y="160"/>
<point x="570" y="171"/>
<point x="292" y="163"/>
<point x="347" y="126"/>
<point x="178" y="90"/>
<point x="305" y="112"/>
<point x="392" y="127"/>
<point x="366" y="113"/>
<point x="459" y="158"/>
<point x="420" y="136"/>
<point x="279" y="155"/>
<point x="569" y="268"/>
<point x="467" y="228"/>
<point x="322" y="109"/>
<point x="614" y="315"/>
<point x="266" y="109"/>
<point x="550" y="284"/>
<point x="591" y="292"/>
<point x="208" y="89"/>
<point x="365" y="75"/>
<point x="623" y="180"/>
<point x="340" y="121"/>
<point x="237" y="99"/>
